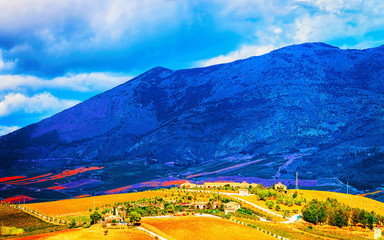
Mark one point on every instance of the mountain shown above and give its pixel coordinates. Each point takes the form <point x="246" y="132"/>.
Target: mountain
<point x="310" y="108"/>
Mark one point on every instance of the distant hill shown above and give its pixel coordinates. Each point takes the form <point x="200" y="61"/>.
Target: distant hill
<point x="309" y="97"/>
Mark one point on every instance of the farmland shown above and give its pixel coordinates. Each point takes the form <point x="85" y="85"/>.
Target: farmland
<point x="94" y="233"/>
<point x="177" y="208"/>
<point x="348" y="199"/>
<point x="81" y="206"/>
<point x="354" y="201"/>
<point x="11" y="217"/>
<point x="203" y="228"/>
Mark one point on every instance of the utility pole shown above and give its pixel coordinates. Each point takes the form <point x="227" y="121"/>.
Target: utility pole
<point x="297" y="180"/>
<point x="347" y="188"/>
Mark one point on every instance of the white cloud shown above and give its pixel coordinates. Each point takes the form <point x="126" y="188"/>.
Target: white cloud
<point x="43" y="103"/>
<point x="244" y="52"/>
<point x="7" y="129"/>
<point x="84" y="82"/>
<point x="99" y="23"/>
<point x="318" y="28"/>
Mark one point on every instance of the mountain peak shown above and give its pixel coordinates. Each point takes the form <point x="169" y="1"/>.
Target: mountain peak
<point x="165" y="122"/>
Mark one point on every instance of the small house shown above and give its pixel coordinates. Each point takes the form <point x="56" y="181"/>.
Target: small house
<point x="280" y="186"/>
<point x="229" y="210"/>
<point x="200" y="205"/>
<point x="243" y="192"/>
<point x="244" y="184"/>
<point x="187" y="184"/>
<point x="231" y="207"/>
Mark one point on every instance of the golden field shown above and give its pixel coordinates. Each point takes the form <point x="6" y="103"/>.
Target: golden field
<point x="81" y="206"/>
<point x="94" y="233"/>
<point x="354" y="201"/>
<point x="204" y="228"/>
<point x="254" y="199"/>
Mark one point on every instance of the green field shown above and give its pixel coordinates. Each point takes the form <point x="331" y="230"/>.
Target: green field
<point x="11" y="217"/>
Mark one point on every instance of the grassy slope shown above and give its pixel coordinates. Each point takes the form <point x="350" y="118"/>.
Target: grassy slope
<point x="348" y="199"/>
<point x="11" y="217"/>
<point x="205" y="228"/>
<point x="94" y="233"/>
<point x="80" y="207"/>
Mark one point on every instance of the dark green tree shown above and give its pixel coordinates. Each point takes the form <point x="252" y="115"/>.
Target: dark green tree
<point x="314" y="212"/>
<point x="134" y="217"/>
<point x="95" y="217"/>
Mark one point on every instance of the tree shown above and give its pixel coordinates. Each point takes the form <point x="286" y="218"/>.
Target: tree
<point x="369" y="220"/>
<point x="263" y="194"/>
<point x="134" y="217"/>
<point x="314" y="212"/>
<point x="222" y="207"/>
<point x="95" y="217"/>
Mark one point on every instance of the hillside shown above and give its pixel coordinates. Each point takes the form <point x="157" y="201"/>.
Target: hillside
<point x="11" y="217"/>
<point x="170" y="213"/>
<point x="310" y="108"/>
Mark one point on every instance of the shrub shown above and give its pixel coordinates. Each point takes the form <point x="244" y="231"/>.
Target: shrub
<point x="270" y="204"/>
<point x="277" y="207"/>
<point x="72" y="224"/>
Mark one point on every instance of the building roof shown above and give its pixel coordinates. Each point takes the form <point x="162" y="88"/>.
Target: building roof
<point x="232" y="204"/>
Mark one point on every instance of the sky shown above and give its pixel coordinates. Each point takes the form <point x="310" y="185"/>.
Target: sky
<point x="55" y="54"/>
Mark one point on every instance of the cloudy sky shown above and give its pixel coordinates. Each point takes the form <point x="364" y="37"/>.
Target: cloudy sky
<point x="55" y="54"/>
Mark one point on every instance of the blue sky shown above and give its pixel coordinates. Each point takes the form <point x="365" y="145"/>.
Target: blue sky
<point x="55" y="54"/>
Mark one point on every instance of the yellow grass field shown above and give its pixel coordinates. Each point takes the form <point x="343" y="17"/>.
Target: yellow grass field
<point x="81" y="206"/>
<point x="261" y="203"/>
<point x="204" y="228"/>
<point x="348" y="199"/>
<point x="94" y="233"/>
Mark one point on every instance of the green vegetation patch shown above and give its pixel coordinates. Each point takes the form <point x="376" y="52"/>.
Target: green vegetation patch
<point x="17" y="219"/>
<point x="9" y="231"/>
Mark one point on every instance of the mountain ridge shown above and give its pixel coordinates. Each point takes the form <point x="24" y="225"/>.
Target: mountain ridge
<point x="311" y="95"/>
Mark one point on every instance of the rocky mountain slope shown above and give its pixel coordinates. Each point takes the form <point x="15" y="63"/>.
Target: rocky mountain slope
<point x="303" y="98"/>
